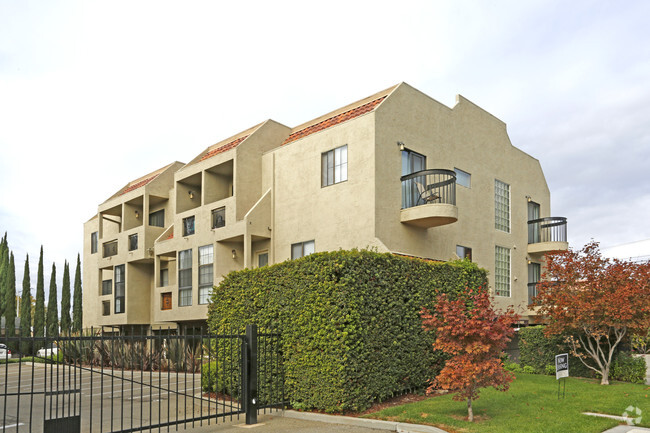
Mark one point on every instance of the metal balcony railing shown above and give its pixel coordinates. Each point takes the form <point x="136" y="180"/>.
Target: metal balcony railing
<point x="549" y="229"/>
<point x="110" y="249"/>
<point x="427" y="187"/>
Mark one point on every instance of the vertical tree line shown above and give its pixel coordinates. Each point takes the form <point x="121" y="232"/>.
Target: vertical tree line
<point x="40" y="320"/>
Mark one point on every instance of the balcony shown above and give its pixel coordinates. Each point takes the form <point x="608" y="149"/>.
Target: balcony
<point x="110" y="249"/>
<point x="546" y="235"/>
<point x="429" y="198"/>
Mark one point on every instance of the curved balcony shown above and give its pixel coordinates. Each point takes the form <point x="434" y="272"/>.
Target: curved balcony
<point x="429" y="198"/>
<point x="547" y="234"/>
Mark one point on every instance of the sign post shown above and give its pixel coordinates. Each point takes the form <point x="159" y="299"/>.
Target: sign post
<point x="561" y="371"/>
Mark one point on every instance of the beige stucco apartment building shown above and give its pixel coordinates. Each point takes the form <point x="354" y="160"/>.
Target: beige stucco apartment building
<point x="396" y="172"/>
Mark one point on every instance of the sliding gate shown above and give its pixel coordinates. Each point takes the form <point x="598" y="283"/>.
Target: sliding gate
<point x="109" y="383"/>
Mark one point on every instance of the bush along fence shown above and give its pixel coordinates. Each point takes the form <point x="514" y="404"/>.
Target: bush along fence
<point x="121" y="383"/>
<point x="351" y="327"/>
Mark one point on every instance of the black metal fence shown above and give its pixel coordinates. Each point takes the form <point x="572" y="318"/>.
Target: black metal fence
<point x="550" y="229"/>
<point x="428" y="186"/>
<point x="101" y="382"/>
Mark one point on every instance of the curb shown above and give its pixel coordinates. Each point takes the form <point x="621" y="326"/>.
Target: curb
<point x="376" y="424"/>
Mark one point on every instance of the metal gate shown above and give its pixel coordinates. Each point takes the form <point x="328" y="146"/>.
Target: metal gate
<point x="101" y="382"/>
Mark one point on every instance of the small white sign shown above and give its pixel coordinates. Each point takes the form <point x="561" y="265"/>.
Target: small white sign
<point x="561" y="365"/>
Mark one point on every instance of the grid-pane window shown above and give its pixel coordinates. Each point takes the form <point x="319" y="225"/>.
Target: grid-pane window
<point x="133" y="242"/>
<point x="501" y="206"/>
<point x="464" y="252"/>
<point x="94" y="241"/>
<point x="119" y="289"/>
<point x="218" y="217"/>
<point x="501" y="271"/>
<point x="302" y="249"/>
<point x="157" y="219"/>
<point x="206" y="275"/>
<point x="188" y="226"/>
<point x="107" y="287"/>
<point x="463" y="178"/>
<point x="334" y="166"/>
<point x="185" y="278"/>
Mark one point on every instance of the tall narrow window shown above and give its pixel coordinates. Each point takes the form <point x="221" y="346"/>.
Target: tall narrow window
<point x="119" y="289"/>
<point x="501" y="271"/>
<point x="302" y="249"/>
<point x="157" y="219"/>
<point x="94" y="241"/>
<point x="106" y="308"/>
<point x="133" y="242"/>
<point x="188" y="226"/>
<point x="501" y="206"/>
<point x="185" y="278"/>
<point x="262" y="259"/>
<point x="334" y="166"/>
<point x="412" y="162"/>
<point x="164" y="277"/>
<point x="206" y="274"/>
<point x="218" y="217"/>
<point x="533" y="229"/>
<point x="534" y="275"/>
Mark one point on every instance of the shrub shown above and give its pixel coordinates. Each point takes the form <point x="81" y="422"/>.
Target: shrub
<point x="512" y="366"/>
<point x="538" y="351"/>
<point x="549" y="369"/>
<point x="628" y="368"/>
<point x="350" y="322"/>
<point x="529" y="369"/>
<point x="641" y="343"/>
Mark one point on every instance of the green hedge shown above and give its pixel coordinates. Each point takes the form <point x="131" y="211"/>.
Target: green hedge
<point x="628" y="368"/>
<point x="538" y="351"/>
<point x="350" y="323"/>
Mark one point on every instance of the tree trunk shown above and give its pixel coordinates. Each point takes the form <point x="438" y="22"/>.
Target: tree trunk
<point x="605" y="373"/>
<point x="470" y="413"/>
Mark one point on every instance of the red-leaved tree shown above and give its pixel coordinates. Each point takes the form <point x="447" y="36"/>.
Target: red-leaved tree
<point x="596" y="301"/>
<point x="474" y="334"/>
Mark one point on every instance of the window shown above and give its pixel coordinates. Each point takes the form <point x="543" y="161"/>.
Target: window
<point x="184" y="278"/>
<point x="334" y="166"/>
<point x="464" y="252"/>
<point x="119" y="289"/>
<point x="218" y="217"/>
<point x="206" y="275"/>
<point x="262" y="259"/>
<point x="501" y="271"/>
<point x="133" y="242"/>
<point x="107" y="287"/>
<point x="94" y="241"/>
<point x="533" y="229"/>
<point x="157" y="219"/>
<point x="412" y="162"/>
<point x="302" y="249"/>
<point x="166" y="301"/>
<point x="463" y="178"/>
<point x="501" y="206"/>
<point x="110" y="248"/>
<point x="164" y="277"/>
<point x="188" y="226"/>
<point x="534" y="275"/>
<point x="106" y="308"/>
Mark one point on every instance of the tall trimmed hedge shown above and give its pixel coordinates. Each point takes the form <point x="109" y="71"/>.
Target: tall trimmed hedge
<point x="350" y="323"/>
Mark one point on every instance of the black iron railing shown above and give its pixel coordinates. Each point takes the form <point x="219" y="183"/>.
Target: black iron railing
<point x="110" y="249"/>
<point x="549" y="229"/>
<point x="427" y="187"/>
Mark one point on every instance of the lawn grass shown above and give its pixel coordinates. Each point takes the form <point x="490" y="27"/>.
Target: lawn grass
<point x="531" y="405"/>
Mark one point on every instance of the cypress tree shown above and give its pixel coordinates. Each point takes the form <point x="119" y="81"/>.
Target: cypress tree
<point x="10" y="300"/>
<point x="39" y="308"/>
<point x="65" y="300"/>
<point x="52" y="319"/>
<point x="77" y="313"/>
<point x="26" y="308"/>
<point x="4" y="270"/>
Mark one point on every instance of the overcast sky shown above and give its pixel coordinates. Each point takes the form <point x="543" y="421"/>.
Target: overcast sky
<point x="95" y="94"/>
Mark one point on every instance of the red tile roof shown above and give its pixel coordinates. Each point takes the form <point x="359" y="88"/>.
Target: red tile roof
<point x="334" y="120"/>
<point x="138" y="184"/>
<point x="223" y="148"/>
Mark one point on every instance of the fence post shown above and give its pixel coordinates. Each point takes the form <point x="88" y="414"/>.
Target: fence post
<point x="249" y="374"/>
